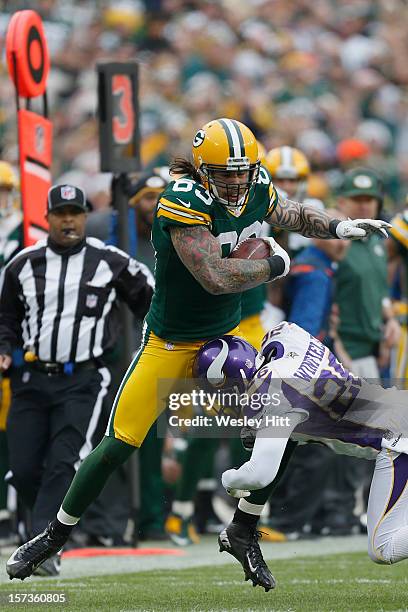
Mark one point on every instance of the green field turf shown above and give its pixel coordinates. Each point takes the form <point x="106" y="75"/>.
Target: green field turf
<point x="343" y="582"/>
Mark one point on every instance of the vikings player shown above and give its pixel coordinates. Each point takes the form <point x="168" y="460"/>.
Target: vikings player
<point x="319" y="400"/>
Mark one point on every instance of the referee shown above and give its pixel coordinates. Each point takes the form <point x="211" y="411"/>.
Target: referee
<point x="58" y="303"/>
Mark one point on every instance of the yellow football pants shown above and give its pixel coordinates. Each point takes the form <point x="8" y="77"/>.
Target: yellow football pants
<point x="137" y="405"/>
<point x="252" y="330"/>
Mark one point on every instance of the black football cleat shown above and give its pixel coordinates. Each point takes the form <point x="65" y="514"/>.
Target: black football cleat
<point x="241" y="542"/>
<point x="49" y="567"/>
<point x="26" y="559"/>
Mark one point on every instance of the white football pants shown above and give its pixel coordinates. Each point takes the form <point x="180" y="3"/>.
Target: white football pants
<point x="387" y="514"/>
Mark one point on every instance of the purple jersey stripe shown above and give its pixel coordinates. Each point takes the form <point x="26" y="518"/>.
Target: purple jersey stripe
<point x="400" y="479"/>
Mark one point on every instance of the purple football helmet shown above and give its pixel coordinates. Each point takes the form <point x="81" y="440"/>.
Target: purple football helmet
<point x="226" y="363"/>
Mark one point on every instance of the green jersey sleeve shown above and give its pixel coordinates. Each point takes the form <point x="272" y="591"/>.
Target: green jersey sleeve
<point x="184" y="202"/>
<point x="265" y="183"/>
<point x="273" y="199"/>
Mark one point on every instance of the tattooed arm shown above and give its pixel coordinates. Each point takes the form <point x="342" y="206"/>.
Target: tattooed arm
<point x="302" y="218"/>
<point x="200" y="252"/>
<point x="314" y="223"/>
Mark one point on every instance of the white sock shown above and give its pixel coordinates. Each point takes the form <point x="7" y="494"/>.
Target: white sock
<point x="66" y="519"/>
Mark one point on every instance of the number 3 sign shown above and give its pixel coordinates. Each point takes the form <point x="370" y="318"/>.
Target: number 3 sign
<point x="118" y="117"/>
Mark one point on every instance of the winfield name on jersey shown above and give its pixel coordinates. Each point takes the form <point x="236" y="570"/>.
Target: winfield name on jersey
<point x="312" y="361"/>
<point x="337" y="407"/>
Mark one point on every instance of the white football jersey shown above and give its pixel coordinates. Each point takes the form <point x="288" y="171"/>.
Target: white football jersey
<point x="338" y="408"/>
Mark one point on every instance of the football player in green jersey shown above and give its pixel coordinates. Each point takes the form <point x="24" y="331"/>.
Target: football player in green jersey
<point x="222" y="198"/>
<point x="257" y="317"/>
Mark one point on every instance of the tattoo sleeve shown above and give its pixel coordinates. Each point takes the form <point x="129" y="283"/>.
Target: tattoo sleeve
<point x="200" y="252"/>
<point x="302" y="218"/>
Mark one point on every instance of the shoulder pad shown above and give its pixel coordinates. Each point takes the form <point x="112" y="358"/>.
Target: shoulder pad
<point x="185" y="202"/>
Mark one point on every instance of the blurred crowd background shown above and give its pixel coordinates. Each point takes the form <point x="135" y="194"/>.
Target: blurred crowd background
<point x="327" y="77"/>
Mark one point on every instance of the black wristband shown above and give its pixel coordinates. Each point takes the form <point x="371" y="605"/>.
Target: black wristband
<point x="276" y="265"/>
<point x="333" y="226"/>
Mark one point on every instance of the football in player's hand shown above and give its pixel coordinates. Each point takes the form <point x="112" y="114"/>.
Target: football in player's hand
<point x="251" y="248"/>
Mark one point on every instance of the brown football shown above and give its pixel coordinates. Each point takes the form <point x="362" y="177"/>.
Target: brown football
<point x="251" y="248"/>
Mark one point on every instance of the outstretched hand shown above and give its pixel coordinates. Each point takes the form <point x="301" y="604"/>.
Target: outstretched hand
<point x="360" y="228"/>
<point x="227" y="482"/>
<point x="237" y="493"/>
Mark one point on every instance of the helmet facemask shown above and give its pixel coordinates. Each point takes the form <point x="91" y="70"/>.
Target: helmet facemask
<point x="231" y="195"/>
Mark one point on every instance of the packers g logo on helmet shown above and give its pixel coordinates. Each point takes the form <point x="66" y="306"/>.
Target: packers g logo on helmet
<point x="225" y="146"/>
<point x="199" y="138"/>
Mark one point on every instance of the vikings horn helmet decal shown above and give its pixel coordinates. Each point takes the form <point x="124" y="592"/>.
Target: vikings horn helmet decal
<point x="226" y="362"/>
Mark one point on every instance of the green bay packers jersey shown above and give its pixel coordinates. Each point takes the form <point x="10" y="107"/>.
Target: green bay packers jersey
<point x="253" y="301"/>
<point x="181" y="308"/>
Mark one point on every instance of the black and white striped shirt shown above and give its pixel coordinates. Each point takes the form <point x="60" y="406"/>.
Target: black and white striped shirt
<point x="62" y="304"/>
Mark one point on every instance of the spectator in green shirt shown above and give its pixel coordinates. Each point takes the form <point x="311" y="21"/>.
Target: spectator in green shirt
<point x="366" y="323"/>
<point x="362" y="292"/>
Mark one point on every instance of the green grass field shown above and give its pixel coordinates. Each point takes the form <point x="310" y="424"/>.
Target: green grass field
<point x="340" y="583"/>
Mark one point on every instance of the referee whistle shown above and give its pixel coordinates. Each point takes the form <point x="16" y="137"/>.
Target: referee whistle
<point x="70" y="233"/>
<point x="30" y="356"/>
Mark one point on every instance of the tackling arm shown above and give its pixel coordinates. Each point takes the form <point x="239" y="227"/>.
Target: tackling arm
<point x="314" y="223"/>
<point x="200" y="252"/>
<point x="264" y="463"/>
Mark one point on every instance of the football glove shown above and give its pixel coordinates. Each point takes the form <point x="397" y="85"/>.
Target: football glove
<point x="359" y="228"/>
<point x="237" y="493"/>
<point x="276" y="249"/>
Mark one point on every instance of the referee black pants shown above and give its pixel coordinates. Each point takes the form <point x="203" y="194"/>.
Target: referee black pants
<point x="49" y="431"/>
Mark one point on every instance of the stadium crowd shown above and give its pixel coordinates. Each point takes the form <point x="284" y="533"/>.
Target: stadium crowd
<point x="328" y="78"/>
